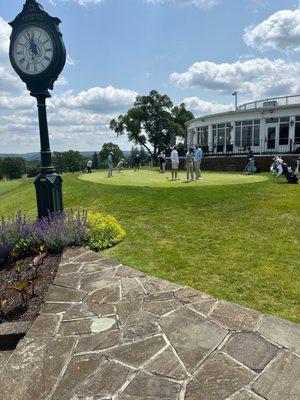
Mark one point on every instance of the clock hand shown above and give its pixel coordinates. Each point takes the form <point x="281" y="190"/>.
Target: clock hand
<point x="33" y="46"/>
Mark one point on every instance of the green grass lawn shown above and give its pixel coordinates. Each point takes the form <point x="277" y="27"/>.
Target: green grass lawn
<point x="232" y="236"/>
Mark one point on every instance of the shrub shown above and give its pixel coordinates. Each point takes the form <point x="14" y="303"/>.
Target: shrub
<point x="14" y="230"/>
<point x="103" y="231"/>
<point x="1" y="168"/>
<point x="32" y="170"/>
<point x="61" y="230"/>
<point x="20" y="237"/>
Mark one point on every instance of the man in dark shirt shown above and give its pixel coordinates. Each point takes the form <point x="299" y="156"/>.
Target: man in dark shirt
<point x="251" y="167"/>
<point x="137" y="162"/>
<point x="250" y="154"/>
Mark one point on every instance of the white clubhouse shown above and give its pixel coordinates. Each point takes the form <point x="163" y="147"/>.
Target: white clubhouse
<point x="267" y="126"/>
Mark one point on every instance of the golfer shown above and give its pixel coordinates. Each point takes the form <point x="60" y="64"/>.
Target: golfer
<point x="137" y="162"/>
<point x="189" y="162"/>
<point x="175" y="164"/>
<point x="162" y="162"/>
<point x="89" y="166"/>
<point x="150" y="160"/>
<point x="110" y="165"/>
<point x="197" y="161"/>
<point x="120" y="165"/>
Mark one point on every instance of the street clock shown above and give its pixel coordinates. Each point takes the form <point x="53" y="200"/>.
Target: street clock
<point x="37" y="54"/>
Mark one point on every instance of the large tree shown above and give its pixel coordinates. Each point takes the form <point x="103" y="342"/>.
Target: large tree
<point x="110" y="148"/>
<point x="95" y="160"/>
<point x="68" y="161"/>
<point x="13" y="167"/>
<point x="181" y="117"/>
<point x="151" y="122"/>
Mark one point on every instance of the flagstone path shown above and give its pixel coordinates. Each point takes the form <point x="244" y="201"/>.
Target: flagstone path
<point x="109" y="332"/>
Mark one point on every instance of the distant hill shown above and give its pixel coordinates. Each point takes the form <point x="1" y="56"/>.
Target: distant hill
<point x="35" y="157"/>
<point x="30" y="157"/>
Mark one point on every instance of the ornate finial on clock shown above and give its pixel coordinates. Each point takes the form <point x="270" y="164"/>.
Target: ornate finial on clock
<point x="32" y="5"/>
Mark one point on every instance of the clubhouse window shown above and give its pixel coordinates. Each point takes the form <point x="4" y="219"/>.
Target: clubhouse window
<point x="284" y="128"/>
<point x="221" y="134"/>
<point x="203" y="135"/>
<point x="247" y="133"/>
<point x="297" y="130"/>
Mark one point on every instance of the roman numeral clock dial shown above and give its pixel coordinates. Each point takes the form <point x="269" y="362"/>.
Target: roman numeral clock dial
<point x="33" y="50"/>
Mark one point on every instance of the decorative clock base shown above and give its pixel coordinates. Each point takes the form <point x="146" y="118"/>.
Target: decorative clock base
<point x="48" y="194"/>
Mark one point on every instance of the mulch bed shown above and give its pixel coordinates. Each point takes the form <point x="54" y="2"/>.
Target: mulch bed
<point x="14" y="309"/>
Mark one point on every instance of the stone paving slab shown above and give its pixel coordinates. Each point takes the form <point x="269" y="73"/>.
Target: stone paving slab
<point x="284" y="332"/>
<point x="88" y="325"/>
<point x="80" y="368"/>
<point x="245" y="395"/>
<point x="218" y="378"/>
<point x="146" y="386"/>
<point x="251" y="350"/>
<point x="281" y="380"/>
<point x="45" y="325"/>
<point x="234" y="316"/>
<point x="110" y="332"/>
<point x="4" y="357"/>
<point x="34" y="368"/>
<point x="167" y="364"/>
<point x="14" y="328"/>
<point x="192" y="336"/>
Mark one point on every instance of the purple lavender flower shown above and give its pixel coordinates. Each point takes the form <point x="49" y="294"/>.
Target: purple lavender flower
<point x="55" y="231"/>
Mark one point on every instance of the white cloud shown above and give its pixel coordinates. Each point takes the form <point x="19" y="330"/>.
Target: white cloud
<point x="70" y="61"/>
<point x="61" y="81"/>
<point x="281" y="31"/>
<point x="202" y="107"/>
<point x="76" y="120"/>
<point x="9" y="102"/>
<point x="97" y="99"/>
<point x="253" y="78"/>
<point x="9" y="81"/>
<point x="203" y="4"/>
<point x="5" y="31"/>
<point x="80" y="2"/>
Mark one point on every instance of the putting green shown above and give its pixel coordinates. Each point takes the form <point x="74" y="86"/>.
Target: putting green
<point x="155" y="179"/>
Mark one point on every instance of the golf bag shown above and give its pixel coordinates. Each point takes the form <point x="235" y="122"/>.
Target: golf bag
<point x="290" y="176"/>
<point x="279" y="167"/>
<point x="251" y="167"/>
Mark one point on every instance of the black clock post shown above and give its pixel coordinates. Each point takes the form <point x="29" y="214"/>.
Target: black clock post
<point x="38" y="55"/>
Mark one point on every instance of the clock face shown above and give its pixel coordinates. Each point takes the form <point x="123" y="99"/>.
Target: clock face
<point x="33" y="50"/>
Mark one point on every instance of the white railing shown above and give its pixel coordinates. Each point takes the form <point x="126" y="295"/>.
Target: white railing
<point x="263" y="147"/>
<point x="271" y="102"/>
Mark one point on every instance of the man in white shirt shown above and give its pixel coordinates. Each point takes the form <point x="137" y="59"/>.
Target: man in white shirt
<point x="89" y="166"/>
<point x="175" y="164"/>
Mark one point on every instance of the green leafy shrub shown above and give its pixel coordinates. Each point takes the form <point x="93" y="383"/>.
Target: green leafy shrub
<point x="20" y="237"/>
<point x="104" y="231"/>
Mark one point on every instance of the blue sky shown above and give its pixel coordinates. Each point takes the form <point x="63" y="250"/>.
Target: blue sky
<point x="197" y="51"/>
